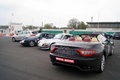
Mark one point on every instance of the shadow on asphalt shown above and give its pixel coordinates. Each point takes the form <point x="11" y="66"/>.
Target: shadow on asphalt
<point x="76" y="72"/>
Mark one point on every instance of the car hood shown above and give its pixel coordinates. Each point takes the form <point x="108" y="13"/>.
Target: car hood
<point x="49" y="40"/>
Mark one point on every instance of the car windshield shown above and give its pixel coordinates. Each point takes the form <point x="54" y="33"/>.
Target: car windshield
<point x="35" y="32"/>
<point x="58" y="36"/>
<point x="19" y="33"/>
<point x="37" y="35"/>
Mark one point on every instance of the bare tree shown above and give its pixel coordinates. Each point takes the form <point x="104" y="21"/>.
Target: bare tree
<point x="73" y="23"/>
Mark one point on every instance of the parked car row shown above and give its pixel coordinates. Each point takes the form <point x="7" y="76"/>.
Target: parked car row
<point x="88" y="52"/>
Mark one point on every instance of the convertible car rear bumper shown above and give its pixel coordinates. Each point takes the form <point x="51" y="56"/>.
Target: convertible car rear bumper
<point x="86" y="64"/>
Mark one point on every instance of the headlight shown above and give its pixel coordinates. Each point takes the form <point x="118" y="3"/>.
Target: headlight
<point x="46" y="44"/>
<point x="38" y="41"/>
<point x="22" y="41"/>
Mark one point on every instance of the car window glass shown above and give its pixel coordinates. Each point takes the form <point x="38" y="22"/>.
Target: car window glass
<point x="24" y="32"/>
<point x="58" y="36"/>
<point x="20" y="33"/>
<point x="119" y="33"/>
<point x="101" y="38"/>
<point x="116" y="33"/>
<point x="66" y="36"/>
<point x="50" y="36"/>
<point x="42" y="35"/>
<point x="27" y="32"/>
<point x="35" y="32"/>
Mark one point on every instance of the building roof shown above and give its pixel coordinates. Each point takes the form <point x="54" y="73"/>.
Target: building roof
<point x="15" y="23"/>
<point x="4" y="27"/>
<point x="103" y="22"/>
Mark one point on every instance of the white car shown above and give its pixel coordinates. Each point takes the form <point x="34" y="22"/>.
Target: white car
<point x="23" y="34"/>
<point x="46" y="43"/>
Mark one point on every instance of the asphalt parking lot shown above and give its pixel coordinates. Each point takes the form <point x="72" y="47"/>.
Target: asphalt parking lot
<point x="31" y="63"/>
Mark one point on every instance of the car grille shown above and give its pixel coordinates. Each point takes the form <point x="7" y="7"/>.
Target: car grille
<point x="67" y="52"/>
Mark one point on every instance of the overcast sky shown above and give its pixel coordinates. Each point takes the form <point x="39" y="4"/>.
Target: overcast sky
<point x="58" y="12"/>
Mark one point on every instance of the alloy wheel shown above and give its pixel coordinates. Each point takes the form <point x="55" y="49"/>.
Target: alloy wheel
<point x="13" y="39"/>
<point x="102" y="63"/>
<point x="112" y="51"/>
<point x="31" y="43"/>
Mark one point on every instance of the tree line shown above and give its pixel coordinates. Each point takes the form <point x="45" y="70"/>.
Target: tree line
<point x="72" y="24"/>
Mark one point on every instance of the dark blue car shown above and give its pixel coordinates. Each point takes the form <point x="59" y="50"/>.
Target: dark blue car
<point x="32" y="41"/>
<point x="116" y="35"/>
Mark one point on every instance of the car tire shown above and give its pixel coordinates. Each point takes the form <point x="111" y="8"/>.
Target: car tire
<point x="32" y="43"/>
<point x="113" y="37"/>
<point x="102" y="64"/>
<point x="112" y="51"/>
<point x="54" y="64"/>
<point x="116" y="38"/>
<point x="13" y="39"/>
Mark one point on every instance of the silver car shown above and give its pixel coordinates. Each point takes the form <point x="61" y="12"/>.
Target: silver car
<point x="46" y="43"/>
<point x="23" y="34"/>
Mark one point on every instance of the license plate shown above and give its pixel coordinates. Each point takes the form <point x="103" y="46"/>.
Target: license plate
<point x="64" y="51"/>
<point x="64" y="60"/>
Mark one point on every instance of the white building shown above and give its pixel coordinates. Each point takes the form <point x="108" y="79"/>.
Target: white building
<point x="14" y="27"/>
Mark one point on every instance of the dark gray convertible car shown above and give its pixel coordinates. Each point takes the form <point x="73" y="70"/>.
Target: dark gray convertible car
<point x="86" y="52"/>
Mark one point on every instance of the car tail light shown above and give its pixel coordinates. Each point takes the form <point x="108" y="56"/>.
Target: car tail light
<point x="86" y="53"/>
<point x="53" y="48"/>
<point x="32" y="35"/>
